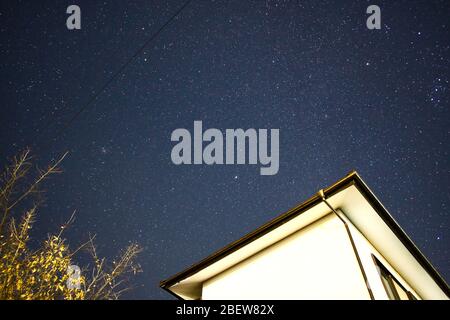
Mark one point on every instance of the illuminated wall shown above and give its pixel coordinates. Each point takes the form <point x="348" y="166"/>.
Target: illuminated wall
<point x="365" y="251"/>
<point x="316" y="262"/>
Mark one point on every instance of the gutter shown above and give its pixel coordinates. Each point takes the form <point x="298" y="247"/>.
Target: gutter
<point x="355" y="250"/>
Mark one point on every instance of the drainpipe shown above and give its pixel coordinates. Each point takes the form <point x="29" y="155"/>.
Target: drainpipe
<point x="322" y="196"/>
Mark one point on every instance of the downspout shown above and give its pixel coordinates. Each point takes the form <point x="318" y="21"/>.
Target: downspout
<point x="322" y="196"/>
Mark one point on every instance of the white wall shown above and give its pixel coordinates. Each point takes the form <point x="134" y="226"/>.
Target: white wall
<point x="365" y="251"/>
<point x="316" y="262"/>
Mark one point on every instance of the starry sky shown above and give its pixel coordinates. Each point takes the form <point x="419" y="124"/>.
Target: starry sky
<point x="344" y="97"/>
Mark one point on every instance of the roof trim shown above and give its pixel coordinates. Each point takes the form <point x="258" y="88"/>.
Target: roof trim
<point x="351" y="179"/>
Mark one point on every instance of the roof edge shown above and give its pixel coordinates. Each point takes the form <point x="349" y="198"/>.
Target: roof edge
<point x="353" y="178"/>
<point x="255" y="234"/>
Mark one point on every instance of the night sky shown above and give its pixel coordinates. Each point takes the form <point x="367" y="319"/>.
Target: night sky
<point x="344" y="97"/>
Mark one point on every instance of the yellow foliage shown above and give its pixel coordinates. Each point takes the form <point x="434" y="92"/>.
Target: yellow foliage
<point x="34" y="275"/>
<point x="43" y="274"/>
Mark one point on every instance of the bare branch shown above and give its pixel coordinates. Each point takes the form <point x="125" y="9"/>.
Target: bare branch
<point x="51" y="170"/>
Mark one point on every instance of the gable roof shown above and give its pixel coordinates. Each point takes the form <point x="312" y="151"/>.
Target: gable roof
<point x="187" y="283"/>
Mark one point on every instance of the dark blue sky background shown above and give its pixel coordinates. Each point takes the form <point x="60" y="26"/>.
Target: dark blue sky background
<point x="344" y="97"/>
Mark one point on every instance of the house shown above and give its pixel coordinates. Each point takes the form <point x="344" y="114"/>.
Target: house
<point x="340" y="244"/>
